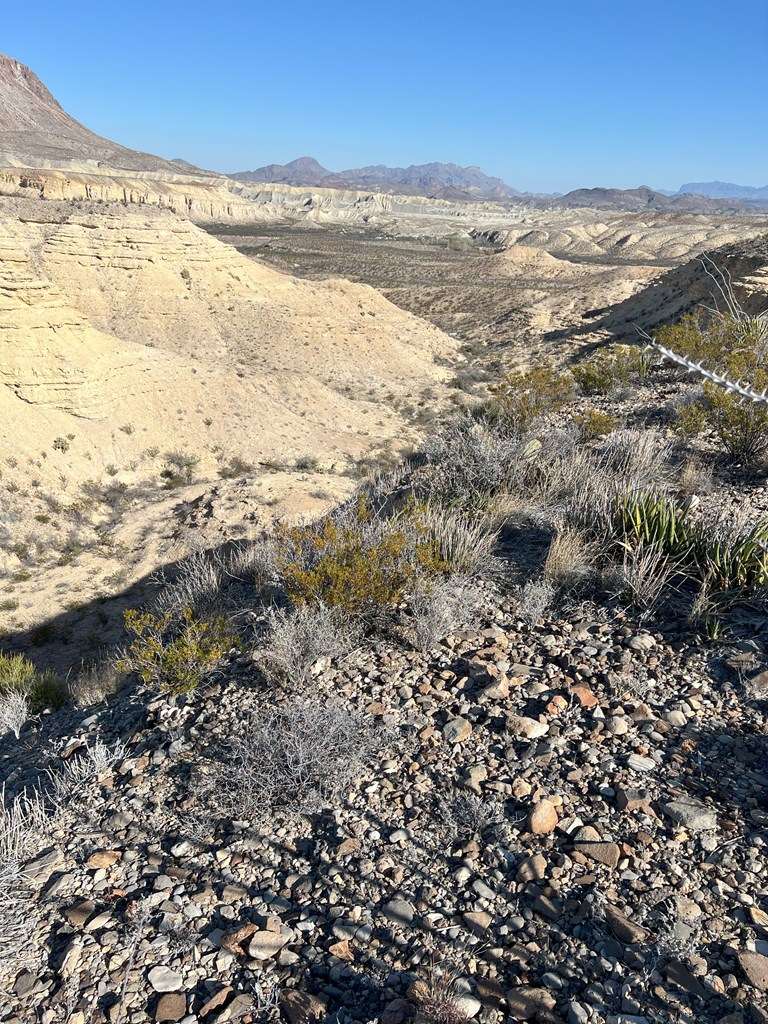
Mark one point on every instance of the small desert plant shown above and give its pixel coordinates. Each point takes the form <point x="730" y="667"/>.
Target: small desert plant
<point x="464" y="543"/>
<point x="570" y="559"/>
<point x="593" y="424"/>
<point x="197" y="585"/>
<point x="298" y="637"/>
<point x="236" y="467"/>
<point x="469" y="461"/>
<point x="174" y="652"/>
<point x="22" y="822"/>
<point x="636" y="458"/>
<point x="652" y="519"/>
<point x="290" y="761"/>
<point x="42" y="688"/>
<point x="643" y="577"/>
<point x="439" y="607"/>
<point x="15" y="711"/>
<point x="606" y="371"/>
<point x="533" y="600"/>
<point x="465" y="815"/>
<point x="357" y="562"/>
<point x="97" y="760"/>
<point x="523" y="398"/>
<point x="725" y="349"/>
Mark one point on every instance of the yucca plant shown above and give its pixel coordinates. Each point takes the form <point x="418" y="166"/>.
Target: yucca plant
<point x="653" y="519"/>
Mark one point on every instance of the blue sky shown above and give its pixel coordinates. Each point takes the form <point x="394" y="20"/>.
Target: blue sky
<point x="547" y="95"/>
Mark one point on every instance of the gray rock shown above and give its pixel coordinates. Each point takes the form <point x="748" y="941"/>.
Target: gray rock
<point x="399" y="911"/>
<point x="691" y="814"/>
<point x="163" y="979"/>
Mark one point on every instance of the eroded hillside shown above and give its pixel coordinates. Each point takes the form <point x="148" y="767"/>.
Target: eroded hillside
<point x="143" y="360"/>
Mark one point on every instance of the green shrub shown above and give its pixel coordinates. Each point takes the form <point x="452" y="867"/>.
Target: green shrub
<point x="521" y="398"/>
<point x="732" y="346"/>
<point x="730" y="562"/>
<point x="358" y="563"/>
<point x="592" y="424"/>
<point x="607" y="370"/>
<point x="44" y="689"/>
<point x="174" y="651"/>
<point x="742" y="427"/>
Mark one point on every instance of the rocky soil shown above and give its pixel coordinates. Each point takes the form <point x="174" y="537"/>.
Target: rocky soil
<point x="567" y="820"/>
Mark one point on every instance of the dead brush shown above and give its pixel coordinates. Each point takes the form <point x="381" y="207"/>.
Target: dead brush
<point x="439" y="607"/>
<point x="289" y="761"/>
<point x="437" y="998"/>
<point x="298" y="637"/>
<point x="636" y="458"/>
<point x="466" y="544"/>
<point x="643" y="577"/>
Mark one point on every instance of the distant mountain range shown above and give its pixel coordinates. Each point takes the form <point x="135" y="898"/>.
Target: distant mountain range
<point x="724" y="190"/>
<point x="435" y="180"/>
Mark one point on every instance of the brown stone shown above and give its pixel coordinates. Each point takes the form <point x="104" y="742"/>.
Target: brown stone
<point x="215" y="1002"/>
<point x="233" y="941"/>
<point x="527" y="1002"/>
<point x="584" y="695"/>
<point x="478" y="921"/>
<point x="532" y="868"/>
<point x="623" y="927"/>
<point x="755" y="966"/>
<point x="349" y="847"/>
<point x="342" y="951"/>
<point x="171" y="1007"/>
<point x="397" y="1012"/>
<point x="489" y="992"/>
<point x="603" y="853"/>
<point x="103" y="858"/>
<point x="302" y="1007"/>
<point x="79" y="914"/>
<point x="543" y="818"/>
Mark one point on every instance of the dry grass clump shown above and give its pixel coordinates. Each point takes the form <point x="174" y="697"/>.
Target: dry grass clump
<point x="290" y="761"/>
<point x="470" y="460"/>
<point x="570" y="559"/>
<point x="533" y="600"/>
<point x="22" y="823"/>
<point x="15" y="711"/>
<point x="438" y="608"/>
<point x="299" y="636"/>
<point x="642" y="578"/>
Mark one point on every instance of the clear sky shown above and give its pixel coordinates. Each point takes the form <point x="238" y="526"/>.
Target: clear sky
<point x="548" y="94"/>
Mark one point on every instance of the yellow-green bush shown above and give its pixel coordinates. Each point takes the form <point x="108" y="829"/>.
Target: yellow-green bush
<point x="734" y="348"/>
<point x="359" y="564"/>
<point x="522" y="398"/>
<point x="592" y="423"/>
<point x="609" y="369"/>
<point x="44" y="689"/>
<point x="174" y="652"/>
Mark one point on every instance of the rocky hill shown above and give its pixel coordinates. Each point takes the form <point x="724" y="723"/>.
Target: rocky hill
<point x="36" y="132"/>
